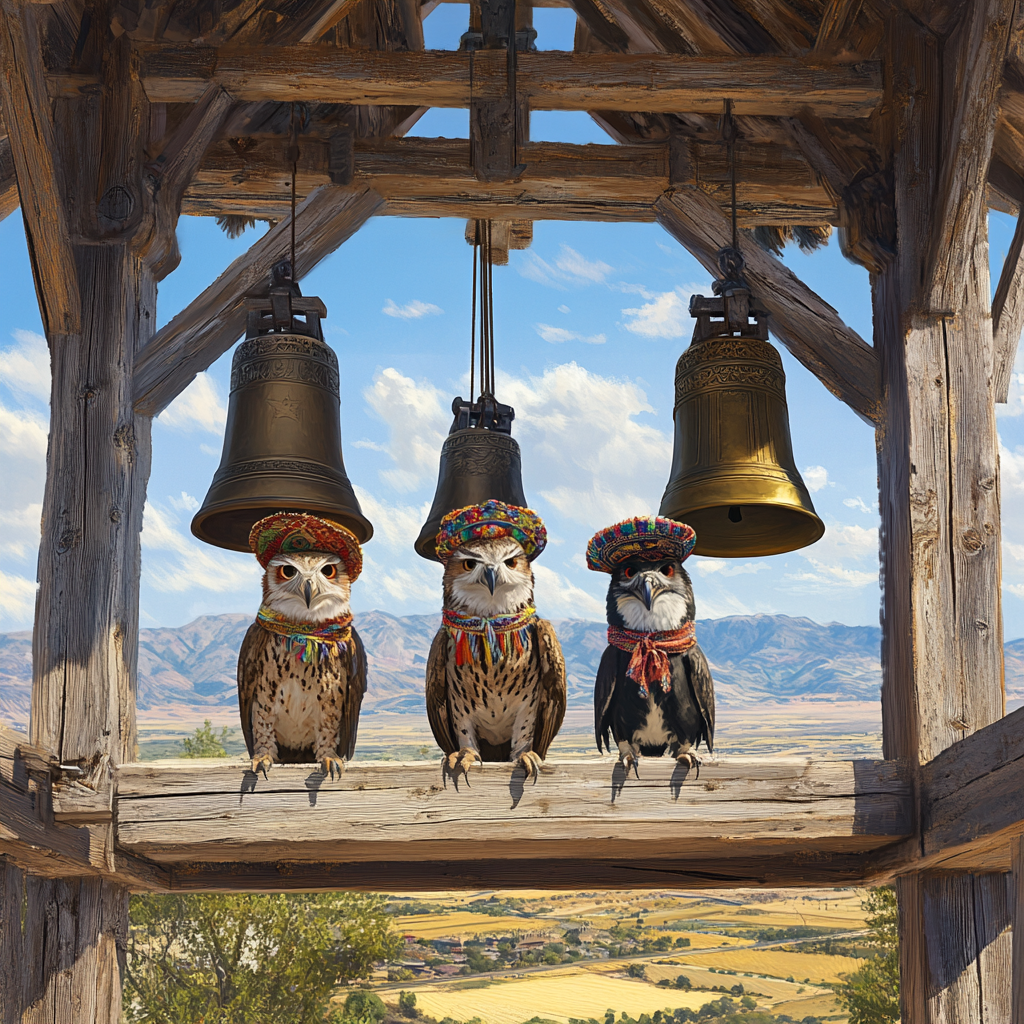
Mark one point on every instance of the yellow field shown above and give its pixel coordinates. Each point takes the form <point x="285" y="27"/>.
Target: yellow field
<point x="557" y="995"/>
<point x="843" y="912"/>
<point x="816" y="966"/>
<point x="815" y="1006"/>
<point x="464" y="922"/>
<point x="774" y="989"/>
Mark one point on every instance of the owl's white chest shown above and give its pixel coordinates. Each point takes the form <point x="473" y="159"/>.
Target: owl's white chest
<point x="295" y="712"/>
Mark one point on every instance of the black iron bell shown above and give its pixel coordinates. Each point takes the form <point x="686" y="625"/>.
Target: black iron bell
<point x="282" y="444"/>
<point x="480" y="461"/>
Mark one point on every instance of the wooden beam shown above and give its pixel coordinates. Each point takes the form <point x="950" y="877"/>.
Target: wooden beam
<point x="8" y="180"/>
<point x="174" y="813"/>
<point x="548" y="80"/>
<point x="215" y="320"/>
<point x="807" y="325"/>
<point x="1008" y="314"/>
<point x="434" y="177"/>
<point x="25" y="105"/>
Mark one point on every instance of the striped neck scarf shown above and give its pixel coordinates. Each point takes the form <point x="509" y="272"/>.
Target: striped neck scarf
<point x="310" y="640"/>
<point x="649" y="663"/>
<point x="479" y="638"/>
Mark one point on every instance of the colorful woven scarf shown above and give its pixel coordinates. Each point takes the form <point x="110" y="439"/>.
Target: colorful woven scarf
<point x="310" y="640"/>
<point x="489" y="639"/>
<point x="649" y="663"/>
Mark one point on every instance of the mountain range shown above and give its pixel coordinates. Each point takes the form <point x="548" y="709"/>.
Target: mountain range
<point x="754" y="658"/>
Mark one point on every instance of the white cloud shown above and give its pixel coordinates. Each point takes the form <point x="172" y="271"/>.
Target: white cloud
<point x="563" y="308"/>
<point x="569" y="268"/>
<point x="557" y="335"/>
<point x="861" y="505"/>
<point x="583" y="446"/>
<point x="418" y="422"/>
<point x="19" y="529"/>
<point x="726" y="567"/>
<point x="413" y="310"/>
<point x="186" y="503"/>
<point x="557" y="597"/>
<point x="23" y="435"/>
<point x="816" y="477"/>
<point x="23" y="440"/>
<point x="25" y="366"/>
<point x="667" y="315"/>
<point x="845" y="557"/>
<point x="1014" y="405"/>
<point x="395" y="526"/>
<point x="398" y="587"/>
<point x="17" y="600"/>
<point x="198" y="407"/>
<point x="827" y="576"/>
<point x="177" y="563"/>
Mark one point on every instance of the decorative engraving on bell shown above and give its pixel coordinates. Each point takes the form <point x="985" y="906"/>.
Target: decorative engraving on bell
<point x="282" y="443"/>
<point x="480" y="460"/>
<point x="734" y="478"/>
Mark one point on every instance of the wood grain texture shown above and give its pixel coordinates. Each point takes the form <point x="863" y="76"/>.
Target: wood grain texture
<point x="1008" y="314"/>
<point x="213" y="812"/>
<point x="27" y="116"/>
<point x="548" y="80"/>
<point x="215" y="320"/>
<point x="8" y="180"/>
<point x="1017" y="952"/>
<point x="807" y="325"/>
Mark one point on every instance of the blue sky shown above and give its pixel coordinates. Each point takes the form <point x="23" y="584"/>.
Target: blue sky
<point x="589" y="324"/>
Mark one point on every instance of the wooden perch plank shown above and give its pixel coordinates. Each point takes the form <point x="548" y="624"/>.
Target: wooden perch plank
<point x="807" y="325"/>
<point x="215" y="320"/>
<point x="547" y="80"/>
<point x="174" y="813"/>
<point x="25" y="105"/>
<point x="1008" y="314"/>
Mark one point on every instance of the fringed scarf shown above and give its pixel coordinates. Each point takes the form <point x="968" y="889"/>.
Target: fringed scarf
<point x="479" y="638"/>
<point x="310" y="640"/>
<point x="649" y="663"/>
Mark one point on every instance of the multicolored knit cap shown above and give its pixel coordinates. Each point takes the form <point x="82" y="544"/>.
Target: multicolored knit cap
<point x="491" y="519"/>
<point x="292" y="533"/>
<point x="648" y="537"/>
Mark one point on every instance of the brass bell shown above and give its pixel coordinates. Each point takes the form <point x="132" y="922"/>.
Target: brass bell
<point x="734" y="479"/>
<point x="282" y="444"/>
<point x="480" y="460"/>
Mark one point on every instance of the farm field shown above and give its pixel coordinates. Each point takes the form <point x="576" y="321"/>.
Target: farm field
<point x="815" y="966"/>
<point x="465" y="923"/>
<point x="774" y="989"/>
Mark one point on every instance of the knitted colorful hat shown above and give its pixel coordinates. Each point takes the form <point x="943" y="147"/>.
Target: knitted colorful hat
<point x="291" y="533"/>
<point x="491" y="519"/>
<point x="646" y="537"/>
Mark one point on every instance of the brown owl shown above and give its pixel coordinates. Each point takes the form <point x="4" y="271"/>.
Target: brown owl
<point x="302" y="667"/>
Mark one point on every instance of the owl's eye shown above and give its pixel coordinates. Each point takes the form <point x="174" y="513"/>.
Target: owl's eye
<point x="330" y="571"/>
<point x="668" y="570"/>
<point x="288" y="571"/>
<point x="510" y="562"/>
<point x="628" y="572"/>
<point x="469" y="564"/>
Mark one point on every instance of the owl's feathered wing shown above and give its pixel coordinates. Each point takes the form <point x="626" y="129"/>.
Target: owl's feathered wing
<point x="552" y="697"/>
<point x="699" y="674"/>
<point x="438" y="711"/>
<point x="257" y="655"/>
<point x="604" y="690"/>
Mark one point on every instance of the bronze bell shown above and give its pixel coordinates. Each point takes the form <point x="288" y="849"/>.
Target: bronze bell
<point x="734" y="479"/>
<point x="282" y="444"/>
<point x="480" y="461"/>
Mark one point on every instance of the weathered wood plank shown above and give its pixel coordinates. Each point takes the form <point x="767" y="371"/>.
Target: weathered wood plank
<point x="29" y="122"/>
<point x="213" y="812"/>
<point x="215" y="320"/>
<point x="8" y="180"/>
<point x="1008" y="314"/>
<point x="807" y="325"/>
<point x="1017" y="951"/>
<point x="548" y="80"/>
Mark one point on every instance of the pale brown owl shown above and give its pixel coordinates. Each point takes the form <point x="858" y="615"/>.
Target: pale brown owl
<point x="495" y="684"/>
<point x="302" y="667"/>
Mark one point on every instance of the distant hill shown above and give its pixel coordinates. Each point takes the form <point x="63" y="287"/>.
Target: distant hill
<point x="754" y="658"/>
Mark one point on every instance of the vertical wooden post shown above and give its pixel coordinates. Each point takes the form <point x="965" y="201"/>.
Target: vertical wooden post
<point x="1017" y="909"/>
<point x="938" y="484"/>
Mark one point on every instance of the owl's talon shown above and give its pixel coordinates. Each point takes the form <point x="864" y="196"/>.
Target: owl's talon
<point x="462" y="760"/>
<point x="264" y="762"/>
<point x="631" y="760"/>
<point x="330" y="763"/>
<point x="689" y="760"/>
<point x="531" y="763"/>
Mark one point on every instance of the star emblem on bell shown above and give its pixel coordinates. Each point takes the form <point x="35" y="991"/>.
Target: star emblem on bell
<point x="285" y="407"/>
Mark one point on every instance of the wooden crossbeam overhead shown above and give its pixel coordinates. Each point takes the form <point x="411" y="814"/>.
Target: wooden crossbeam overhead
<point x="547" y="80"/>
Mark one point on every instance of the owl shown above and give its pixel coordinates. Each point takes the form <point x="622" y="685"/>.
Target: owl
<point x="302" y="667"/>
<point x="495" y="687"/>
<point x="654" y="692"/>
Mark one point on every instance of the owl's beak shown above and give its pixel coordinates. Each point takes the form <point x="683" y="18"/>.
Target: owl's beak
<point x="491" y="578"/>
<point x="307" y="592"/>
<point x="646" y="592"/>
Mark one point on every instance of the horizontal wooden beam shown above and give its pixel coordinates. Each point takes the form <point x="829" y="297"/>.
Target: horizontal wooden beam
<point x="579" y="814"/>
<point x="547" y="80"/>
<point x="434" y="178"/>
<point x="215" y="319"/>
<point x="972" y="809"/>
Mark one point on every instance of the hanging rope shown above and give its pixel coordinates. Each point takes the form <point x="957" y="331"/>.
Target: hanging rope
<point x="472" y="328"/>
<point x="293" y="156"/>
<point x="729" y="133"/>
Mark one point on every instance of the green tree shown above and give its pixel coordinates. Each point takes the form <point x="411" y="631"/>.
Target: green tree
<point x="872" y="994"/>
<point x="275" y="959"/>
<point x="407" y="1004"/>
<point x="636" y="970"/>
<point x="204" y="742"/>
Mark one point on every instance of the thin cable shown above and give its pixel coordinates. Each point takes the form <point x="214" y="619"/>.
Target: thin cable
<point x="472" y="328"/>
